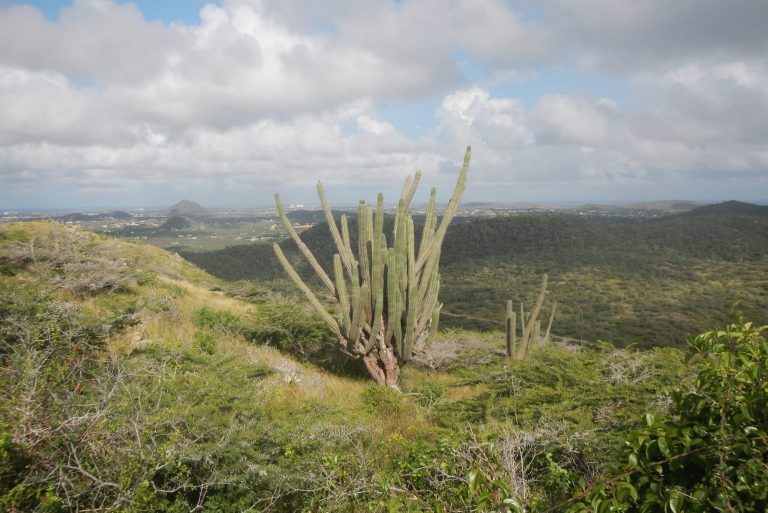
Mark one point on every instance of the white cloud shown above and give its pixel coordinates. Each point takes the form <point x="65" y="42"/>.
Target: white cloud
<point x="575" y="119"/>
<point x="93" y="39"/>
<point x="473" y="115"/>
<point x="623" y="35"/>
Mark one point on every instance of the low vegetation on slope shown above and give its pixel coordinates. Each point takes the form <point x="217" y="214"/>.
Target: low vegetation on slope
<point x="131" y="382"/>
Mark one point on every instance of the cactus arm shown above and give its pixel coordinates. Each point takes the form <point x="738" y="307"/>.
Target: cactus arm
<point x="355" y="277"/>
<point x="394" y="302"/>
<point x="412" y="288"/>
<point x="426" y="275"/>
<point x="359" y="313"/>
<point x="409" y="189"/>
<point x="378" y="256"/>
<point x="327" y="317"/>
<point x="522" y="320"/>
<point x="341" y="289"/>
<point x="362" y="243"/>
<point x="425" y="310"/>
<point x="345" y="237"/>
<point x="549" y="324"/>
<point x="340" y="246"/>
<point x="511" y="328"/>
<point x="429" y="222"/>
<point x="526" y="338"/>
<point x="450" y="211"/>
<point x="406" y="187"/>
<point x="434" y="324"/>
<point x="376" y="327"/>
<point x="369" y="221"/>
<point x="303" y="247"/>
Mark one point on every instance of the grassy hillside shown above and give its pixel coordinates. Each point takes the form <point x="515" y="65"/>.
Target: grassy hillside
<point x="131" y="382"/>
<point x="621" y="279"/>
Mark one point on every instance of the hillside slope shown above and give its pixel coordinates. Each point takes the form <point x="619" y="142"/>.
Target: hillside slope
<point x="129" y="382"/>
<point x="627" y="280"/>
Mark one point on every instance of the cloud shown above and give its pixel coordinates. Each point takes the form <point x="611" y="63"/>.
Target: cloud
<point x="627" y="35"/>
<point x="575" y="119"/>
<point x="425" y="33"/>
<point x="473" y="116"/>
<point x="92" y="40"/>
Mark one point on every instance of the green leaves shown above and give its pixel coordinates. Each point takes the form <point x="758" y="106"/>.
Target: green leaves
<point x="710" y="454"/>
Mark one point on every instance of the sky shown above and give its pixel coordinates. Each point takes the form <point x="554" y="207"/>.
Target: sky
<point x="108" y="103"/>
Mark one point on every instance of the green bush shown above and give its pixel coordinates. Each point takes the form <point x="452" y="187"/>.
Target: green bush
<point x="205" y="341"/>
<point x="428" y="393"/>
<point x="290" y="328"/>
<point x="146" y="279"/>
<point x="711" y="453"/>
<point x="383" y="400"/>
<point x="222" y="321"/>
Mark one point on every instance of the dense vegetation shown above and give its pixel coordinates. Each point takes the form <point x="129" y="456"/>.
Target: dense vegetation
<point x="130" y="381"/>
<point x="711" y="453"/>
<point x="651" y="282"/>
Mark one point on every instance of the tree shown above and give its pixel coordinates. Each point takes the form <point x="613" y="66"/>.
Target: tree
<point x="385" y="297"/>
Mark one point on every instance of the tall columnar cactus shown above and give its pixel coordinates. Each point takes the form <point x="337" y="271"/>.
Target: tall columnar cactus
<point x="385" y="297"/>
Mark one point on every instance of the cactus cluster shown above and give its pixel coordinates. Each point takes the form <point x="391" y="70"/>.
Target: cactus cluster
<point x="385" y="298"/>
<point x="530" y="326"/>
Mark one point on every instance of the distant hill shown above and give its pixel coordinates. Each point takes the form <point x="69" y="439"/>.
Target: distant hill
<point x="176" y="223"/>
<point x="729" y="208"/>
<point x="658" y="207"/>
<point x="599" y="207"/>
<point x="188" y="208"/>
<point x="666" y="205"/>
<point x="100" y="216"/>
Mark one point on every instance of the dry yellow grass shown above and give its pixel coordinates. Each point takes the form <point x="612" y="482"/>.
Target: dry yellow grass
<point x="175" y="327"/>
<point x="464" y="392"/>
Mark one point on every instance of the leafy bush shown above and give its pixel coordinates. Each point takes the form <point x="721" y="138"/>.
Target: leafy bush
<point x="222" y="321"/>
<point x="290" y="328"/>
<point x="382" y="400"/>
<point x="711" y="453"/>
<point x="428" y="393"/>
<point x="205" y="341"/>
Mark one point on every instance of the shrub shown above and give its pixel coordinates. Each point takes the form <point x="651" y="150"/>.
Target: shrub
<point x="381" y="400"/>
<point x="222" y="321"/>
<point x="289" y="328"/>
<point x="428" y="393"/>
<point x="205" y="341"/>
<point x="710" y="454"/>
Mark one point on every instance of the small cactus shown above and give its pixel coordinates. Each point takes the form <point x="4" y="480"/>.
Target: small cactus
<point x="386" y="298"/>
<point x="530" y="324"/>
